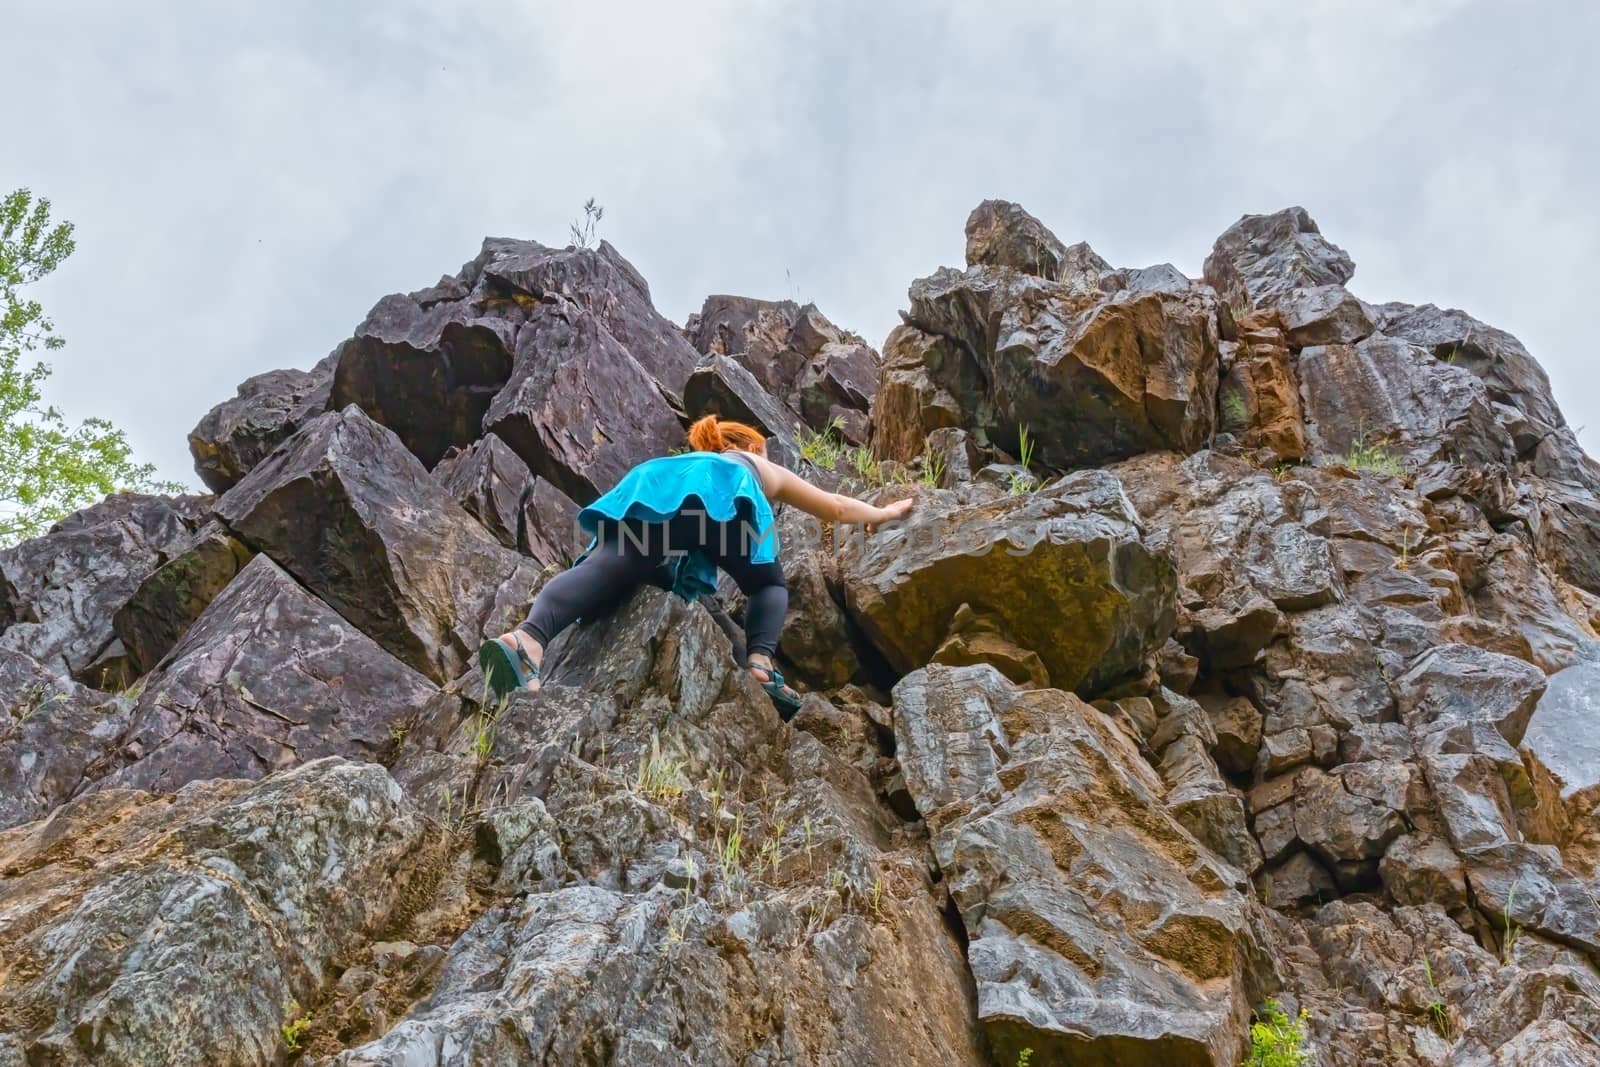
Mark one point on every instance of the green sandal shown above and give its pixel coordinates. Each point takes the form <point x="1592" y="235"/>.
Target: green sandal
<point x="786" y="700"/>
<point x="506" y="669"/>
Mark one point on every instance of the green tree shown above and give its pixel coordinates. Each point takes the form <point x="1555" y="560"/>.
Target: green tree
<point x="49" y="468"/>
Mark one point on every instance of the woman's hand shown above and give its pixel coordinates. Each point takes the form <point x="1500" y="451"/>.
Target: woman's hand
<point x="898" y="510"/>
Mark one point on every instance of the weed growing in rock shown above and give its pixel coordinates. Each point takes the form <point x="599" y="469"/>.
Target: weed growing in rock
<point x="932" y="468"/>
<point x="294" y="1031"/>
<point x="1023" y="481"/>
<point x="660" y="775"/>
<point x="583" y="229"/>
<point x="1405" y="549"/>
<point x="867" y="471"/>
<point x="1235" y="412"/>
<point x="824" y="449"/>
<point x="1372" y="458"/>
<point x="1024" y="1057"/>
<point x="730" y="855"/>
<point x="1438" y="1011"/>
<point x="1508" y="942"/>
<point x="1277" y="1040"/>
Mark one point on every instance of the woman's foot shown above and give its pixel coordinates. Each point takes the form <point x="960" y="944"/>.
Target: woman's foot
<point x="783" y="696"/>
<point x="511" y="662"/>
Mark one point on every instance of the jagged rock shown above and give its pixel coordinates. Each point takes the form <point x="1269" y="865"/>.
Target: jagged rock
<point x="1148" y="357"/>
<point x="53" y="732"/>
<point x="1461" y="683"/>
<point x="796" y="356"/>
<point x="1262" y="258"/>
<point x="355" y="518"/>
<point x="1237" y="723"/>
<point x="836" y="388"/>
<point x="266" y="678"/>
<point x="184" y="930"/>
<point x="1420" y="868"/>
<point x="1072" y="880"/>
<point x="1285" y="750"/>
<point x="1204" y="805"/>
<point x="167" y="602"/>
<point x="1323" y="670"/>
<point x="1392" y="394"/>
<point x="1512" y="376"/>
<point x="1177" y="668"/>
<point x="1350" y="816"/>
<point x="724" y="387"/>
<point x="957" y="455"/>
<point x="239" y="433"/>
<point x="1561" y="733"/>
<point x="978" y="638"/>
<point x="1243" y="552"/>
<point x="1512" y="589"/>
<point x="1267" y="412"/>
<point x="1568" y="532"/>
<point x="1323" y="315"/>
<point x="924" y="386"/>
<point x="1526" y="887"/>
<point x="599" y="281"/>
<point x="818" y="637"/>
<point x="523" y="512"/>
<point x="578" y="408"/>
<point x="770" y="338"/>
<point x="59" y="592"/>
<point x="427" y="373"/>
<point x="625" y="925"/>
<point x="1066" y="570"/>
<point x="1002" y="234"/>
<point x="1296" y="881"/>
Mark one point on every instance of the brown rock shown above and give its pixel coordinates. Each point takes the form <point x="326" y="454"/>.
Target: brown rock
<point x="1066" y="570"/>
<point x="356" y="519"/>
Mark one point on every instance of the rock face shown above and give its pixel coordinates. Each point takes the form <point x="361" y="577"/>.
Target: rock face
<point x="54" y="734"/>
<point x="1241" y="643"/>
<point x="266" y="678"/>
<point x="239" y="433"/>
<point x="1068" y="569"/>
<point x="1261" y="259"/>
<point x="59" y="592"/>
<point x="1072" y="881"/>
<point x="1093" y="372"/>
<point x="776" y="364"/>
<point x="347" y="511"/>
<point x="225" y="893"/>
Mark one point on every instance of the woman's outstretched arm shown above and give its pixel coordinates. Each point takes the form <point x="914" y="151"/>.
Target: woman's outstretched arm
<point x="784" y="485"/>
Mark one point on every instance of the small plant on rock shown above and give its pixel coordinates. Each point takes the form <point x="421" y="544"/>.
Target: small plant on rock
<point x="867" y="470"/>
<point x="294" y="1031"/>
<point x="660" y="774"/>
<point x="1438" y="1011"/>
<point x="1372" y="458"/>
<point x="1277" y="1040"/>
<point x="1508" y="941"/>
<point x="1024" y="1057"/>
<point x="824" y="449"/>
<point x="1235" y="412"/>
<point x="1023" y="481"/>
<point x="932" y="468"/>
<point x="583" y="229"/>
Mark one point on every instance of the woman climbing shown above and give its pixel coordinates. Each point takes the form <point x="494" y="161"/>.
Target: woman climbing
<point x="676" y="520"/>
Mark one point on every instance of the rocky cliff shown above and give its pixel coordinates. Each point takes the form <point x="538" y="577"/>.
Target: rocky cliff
<point x="1242" y="645"/>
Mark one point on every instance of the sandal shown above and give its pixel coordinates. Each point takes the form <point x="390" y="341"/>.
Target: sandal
<point x="786" y="700"/>
<point x="506" y="669"/>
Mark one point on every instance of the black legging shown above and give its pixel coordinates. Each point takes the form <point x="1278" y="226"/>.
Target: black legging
<point x="634" y="553"/>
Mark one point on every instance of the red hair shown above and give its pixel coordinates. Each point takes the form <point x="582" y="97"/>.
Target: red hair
<point x="711" y="434"/>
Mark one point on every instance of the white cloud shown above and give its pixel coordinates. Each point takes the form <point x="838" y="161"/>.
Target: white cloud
<point x="247" y="181"/>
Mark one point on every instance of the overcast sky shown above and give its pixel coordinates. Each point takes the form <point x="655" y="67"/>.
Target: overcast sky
<point x="247" y="183"/>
